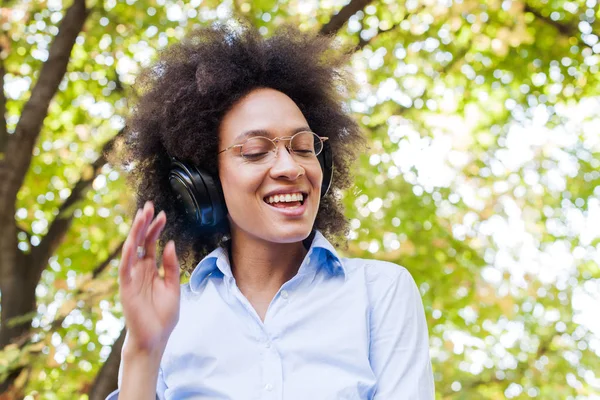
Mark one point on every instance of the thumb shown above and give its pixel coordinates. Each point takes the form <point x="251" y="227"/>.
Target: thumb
<point x="171" y="265"/>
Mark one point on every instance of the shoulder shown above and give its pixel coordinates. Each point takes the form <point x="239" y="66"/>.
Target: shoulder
<point x="392" y="292"/>
<point x="378" y="274"/>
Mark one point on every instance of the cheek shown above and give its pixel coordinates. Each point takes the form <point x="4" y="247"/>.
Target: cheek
<point x="238" y="183"/>
<point x="315" y="175"/>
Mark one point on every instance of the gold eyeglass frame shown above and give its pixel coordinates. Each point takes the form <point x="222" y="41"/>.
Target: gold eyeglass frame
<point x="276" y="140"/>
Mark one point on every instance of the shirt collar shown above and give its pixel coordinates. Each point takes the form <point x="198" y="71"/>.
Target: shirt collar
<point x="218" y="260"/>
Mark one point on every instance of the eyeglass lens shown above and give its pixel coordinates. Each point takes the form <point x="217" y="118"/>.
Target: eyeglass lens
<point x="303" y="144"/>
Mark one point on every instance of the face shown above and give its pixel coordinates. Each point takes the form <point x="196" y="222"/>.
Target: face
<point x="245" y="184"/>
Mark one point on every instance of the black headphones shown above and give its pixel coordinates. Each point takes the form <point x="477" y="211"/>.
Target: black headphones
<point x="202" y="194"/>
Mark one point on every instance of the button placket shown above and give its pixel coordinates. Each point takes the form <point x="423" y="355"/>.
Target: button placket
<point x="272" y="369"/>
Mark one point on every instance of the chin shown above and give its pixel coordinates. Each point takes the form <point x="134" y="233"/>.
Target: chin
<point x="275" y="232"/>
<point x="288" y="234"/>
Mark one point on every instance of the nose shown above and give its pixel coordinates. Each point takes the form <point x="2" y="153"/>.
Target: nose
<point x="285" y="165"/>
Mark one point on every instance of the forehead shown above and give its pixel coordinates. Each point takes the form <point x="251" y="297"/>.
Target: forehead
<point x="263" y="112"/>
<point x="269" y="133"/>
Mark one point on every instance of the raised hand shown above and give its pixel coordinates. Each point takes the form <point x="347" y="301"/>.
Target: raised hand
<point x="150" y="302"/>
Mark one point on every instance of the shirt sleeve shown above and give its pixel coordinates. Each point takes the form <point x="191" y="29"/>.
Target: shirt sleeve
<point x="399" y="347"/>
<point x="160" y="382"/>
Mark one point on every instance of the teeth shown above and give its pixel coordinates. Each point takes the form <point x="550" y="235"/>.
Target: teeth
<point x="285" y="198"/>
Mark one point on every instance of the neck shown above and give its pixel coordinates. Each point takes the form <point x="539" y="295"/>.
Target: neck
<point x="262" y="267"/>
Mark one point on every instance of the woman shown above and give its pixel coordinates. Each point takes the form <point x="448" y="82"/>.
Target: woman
<point x="235" y="140"/>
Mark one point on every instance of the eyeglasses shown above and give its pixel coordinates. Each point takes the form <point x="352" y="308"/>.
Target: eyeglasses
<point x="260" y="149"/>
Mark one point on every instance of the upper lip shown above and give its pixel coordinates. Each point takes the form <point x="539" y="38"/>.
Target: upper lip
<point x="286" y="191"/>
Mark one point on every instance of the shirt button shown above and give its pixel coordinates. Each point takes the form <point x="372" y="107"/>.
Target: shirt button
<point x="284" y="294"/>
<point x="268" y="387"/>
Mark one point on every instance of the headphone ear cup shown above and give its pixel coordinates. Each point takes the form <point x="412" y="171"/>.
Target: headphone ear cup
<point x="326" y="160"/>
<point x="200" y="194"/>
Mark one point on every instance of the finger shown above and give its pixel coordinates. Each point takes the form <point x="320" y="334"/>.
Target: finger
<point x="125" y="264"/>
<point x="153" y="232"/>
<point x="128" y="247"/>
<point x="136" y="231"/>
<point x="171" y="265"/>
<point x="147" y="213"/>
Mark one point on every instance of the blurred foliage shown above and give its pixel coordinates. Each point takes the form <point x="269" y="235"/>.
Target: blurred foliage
<point x="482" y="177"/>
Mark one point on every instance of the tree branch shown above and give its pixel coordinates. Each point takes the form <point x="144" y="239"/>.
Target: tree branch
<point x="362" y="42"/>
<point x="102" y="266"/>
<point x="25" y="339"/>
<point x="20" y="145"/>
<point x="564" y="29"/>
<point x="25" y="231"/>
<point x="341" y="17"/>
<point x="456" y="58"/>
<point x="60" y="225"/>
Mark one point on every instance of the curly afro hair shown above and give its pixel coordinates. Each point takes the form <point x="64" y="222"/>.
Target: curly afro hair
<point x="185" y="94"/>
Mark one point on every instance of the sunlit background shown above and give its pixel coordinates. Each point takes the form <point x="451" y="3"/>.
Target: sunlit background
<point x="482" y="179"/>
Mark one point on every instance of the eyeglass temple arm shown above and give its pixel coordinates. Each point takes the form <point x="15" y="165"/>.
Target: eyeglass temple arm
<point x="230" y="147"/>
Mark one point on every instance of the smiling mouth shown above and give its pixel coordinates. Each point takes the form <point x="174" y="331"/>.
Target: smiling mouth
<point x="287" y="204"/>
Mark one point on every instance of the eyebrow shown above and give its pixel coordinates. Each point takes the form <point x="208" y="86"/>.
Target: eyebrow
<point x="263" y="132"/>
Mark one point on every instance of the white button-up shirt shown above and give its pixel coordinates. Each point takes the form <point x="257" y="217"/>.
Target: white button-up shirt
<point x="342" y="328"/>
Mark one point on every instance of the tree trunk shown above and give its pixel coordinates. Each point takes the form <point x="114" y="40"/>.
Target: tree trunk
<point x="20" y="273"/>
<point x="106" y="380"/>
<point x="17" y="286"/>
